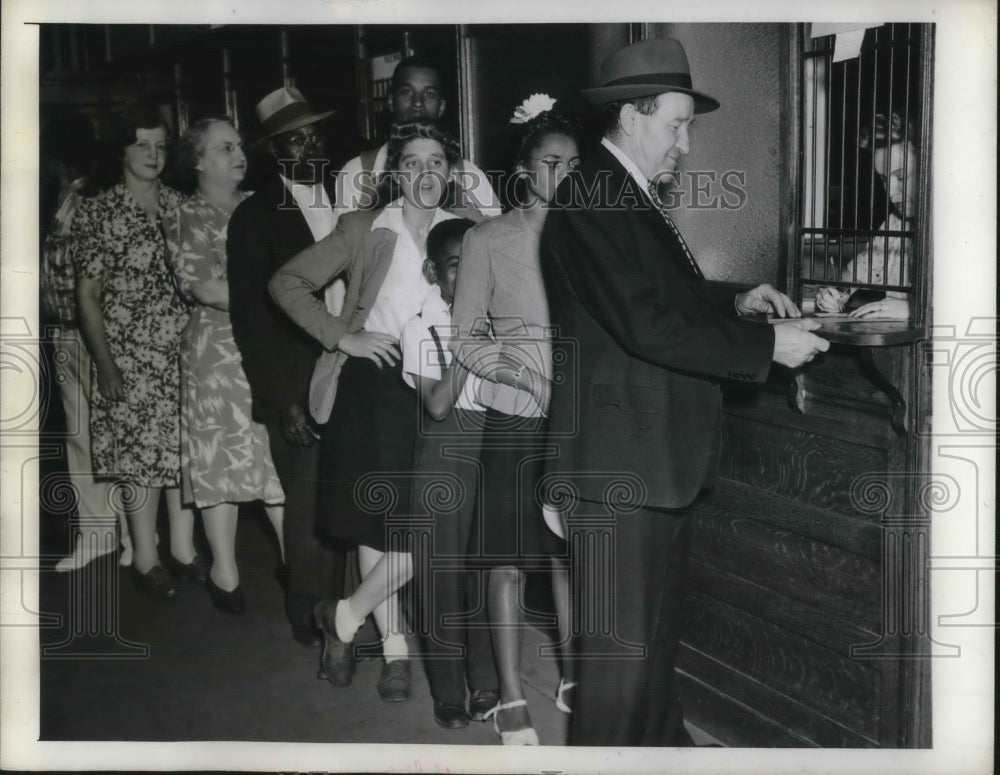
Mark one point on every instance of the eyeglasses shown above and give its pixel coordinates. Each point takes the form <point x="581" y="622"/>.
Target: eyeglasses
<point x="557" y="165"/>
<point x="302" y="139"/>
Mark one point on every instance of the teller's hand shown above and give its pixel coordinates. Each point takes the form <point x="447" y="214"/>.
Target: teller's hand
<point x="892" y="309"/>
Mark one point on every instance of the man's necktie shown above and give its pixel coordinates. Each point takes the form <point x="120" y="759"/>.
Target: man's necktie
<point x="655" y="196"/>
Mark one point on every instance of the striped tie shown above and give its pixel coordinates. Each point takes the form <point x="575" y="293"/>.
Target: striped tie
<point x="654" y="194"/>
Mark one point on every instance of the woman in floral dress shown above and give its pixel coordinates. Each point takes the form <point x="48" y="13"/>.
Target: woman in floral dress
<point x="131" y="319"/>
<point x="225" y="456"/>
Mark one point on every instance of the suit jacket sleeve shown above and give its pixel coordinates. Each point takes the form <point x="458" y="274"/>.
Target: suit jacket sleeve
<point x="297" y="285"/>
<point x="598" y="255"/>
<point x="260" y="331"/>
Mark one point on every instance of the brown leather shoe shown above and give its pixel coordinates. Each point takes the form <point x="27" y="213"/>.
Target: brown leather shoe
<point x="394" y="683"/>
<point x="337" y="660"/>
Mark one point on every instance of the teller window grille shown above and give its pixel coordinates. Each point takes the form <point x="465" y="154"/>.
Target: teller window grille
<point x="864" y="164"/>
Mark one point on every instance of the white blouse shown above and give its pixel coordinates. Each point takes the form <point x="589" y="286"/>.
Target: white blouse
<point x="404" y="289"/>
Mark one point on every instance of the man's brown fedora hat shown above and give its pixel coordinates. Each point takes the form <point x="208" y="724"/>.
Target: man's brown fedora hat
<point x="646" y="69"/>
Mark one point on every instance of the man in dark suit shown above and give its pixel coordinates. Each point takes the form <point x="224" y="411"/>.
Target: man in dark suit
<point x="652" y="341"/>
<point x="289" y="212"/>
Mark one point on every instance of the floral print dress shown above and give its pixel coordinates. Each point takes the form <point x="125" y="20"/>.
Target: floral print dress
<point x="117" y="242"/>
<point x="225" y="455"/>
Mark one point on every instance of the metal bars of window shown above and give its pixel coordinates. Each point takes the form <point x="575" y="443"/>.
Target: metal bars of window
<point x="858" y="171"/>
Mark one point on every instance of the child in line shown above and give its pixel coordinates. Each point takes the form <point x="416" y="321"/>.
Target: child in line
<point x="446" y="458"/>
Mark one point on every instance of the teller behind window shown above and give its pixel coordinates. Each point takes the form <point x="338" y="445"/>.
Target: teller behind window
<point x="896" y="158"/>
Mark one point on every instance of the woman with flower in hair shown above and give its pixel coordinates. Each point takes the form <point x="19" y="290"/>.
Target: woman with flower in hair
<point x="373" y="423"/>
<point x="502" y="318"/>
<point x="884" y="260"/>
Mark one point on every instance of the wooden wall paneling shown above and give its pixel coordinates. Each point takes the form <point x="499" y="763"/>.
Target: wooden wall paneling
<point x="746" y="652"/>
<point x="742" y="712"/>
<point x="902" y="498"/>
<point x="836" y="630"/>
<point x="791" y="565"/>
<point x="795" y="463"/>
<point x="731" y="719"/>
<point x="858" y="536"/>
<point x="860" y="424"/>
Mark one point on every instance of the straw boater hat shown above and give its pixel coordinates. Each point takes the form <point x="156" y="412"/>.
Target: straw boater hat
<point x="286" y="109"/>
<point x="646" y="69"/>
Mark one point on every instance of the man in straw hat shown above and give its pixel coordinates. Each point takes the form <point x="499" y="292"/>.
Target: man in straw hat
<point x="653" y="340"/>
<point x="290" y="211"/>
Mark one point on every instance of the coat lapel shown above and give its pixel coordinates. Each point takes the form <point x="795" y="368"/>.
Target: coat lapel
<point x="379" y="245"/>
<point x="289" y="220"/>
<point x="626" y="192"/>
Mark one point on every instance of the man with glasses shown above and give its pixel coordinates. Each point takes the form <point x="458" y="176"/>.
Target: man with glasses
<point x="289" y="211"/>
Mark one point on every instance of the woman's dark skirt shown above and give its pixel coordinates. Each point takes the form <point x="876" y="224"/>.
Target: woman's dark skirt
<point x="366" y="454"/>
<point x="511" y="529"/>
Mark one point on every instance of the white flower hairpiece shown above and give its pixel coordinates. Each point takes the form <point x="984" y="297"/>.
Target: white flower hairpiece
<point x="532" y="107"/>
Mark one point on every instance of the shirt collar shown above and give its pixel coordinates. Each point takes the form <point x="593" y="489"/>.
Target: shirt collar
<point x="391" y="218"/>
<point x="294" y="186"/>
<point x="435" y="310"/>
<point x="627" y="163"/>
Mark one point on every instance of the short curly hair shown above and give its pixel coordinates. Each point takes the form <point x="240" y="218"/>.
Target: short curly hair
<point x="191" y="145"/>
<point x="551" y="122"/>
<point x="401" y="135"/>
<point x="443" y="233"/>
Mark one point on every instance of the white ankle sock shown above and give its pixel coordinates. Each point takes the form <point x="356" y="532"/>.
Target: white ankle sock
<point x="345" y="623"/>
<point x="394" y="647"/>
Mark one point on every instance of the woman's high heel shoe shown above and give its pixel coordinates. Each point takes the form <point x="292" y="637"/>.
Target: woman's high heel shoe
<point x="525" y="736"/>
<point x="232" y="602"/>
<point x="564" y="693"/>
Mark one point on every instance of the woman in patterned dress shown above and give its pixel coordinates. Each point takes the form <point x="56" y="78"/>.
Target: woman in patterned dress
<point x="131" y="319"/>
<point x="225" y="456"/>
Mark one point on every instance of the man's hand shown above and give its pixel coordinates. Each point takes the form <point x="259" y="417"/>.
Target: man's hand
<point x="295" y="427"/>
<point x="380" y="348"/>
<point x="764" y="298"/>
<point x="794" y="345"/>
